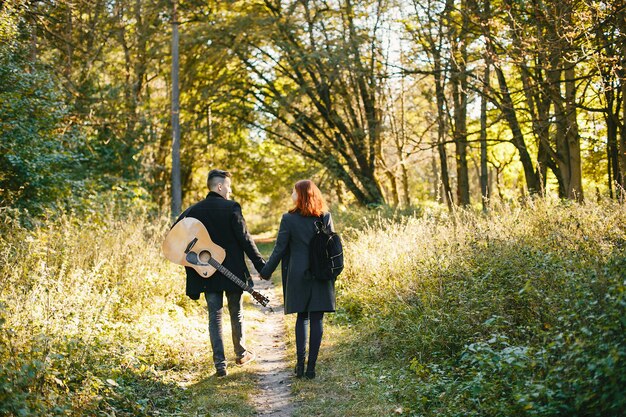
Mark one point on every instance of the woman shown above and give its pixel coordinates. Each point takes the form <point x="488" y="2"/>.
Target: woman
<point x="304" y="295"/>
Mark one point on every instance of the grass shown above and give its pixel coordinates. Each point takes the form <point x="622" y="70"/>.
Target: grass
<point x="346" y="384"/>
<point x="94" y="321"/>
<point x="518" y="313"/>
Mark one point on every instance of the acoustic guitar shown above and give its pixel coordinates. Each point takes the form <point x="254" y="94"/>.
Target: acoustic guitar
<point x="188" y="243"/>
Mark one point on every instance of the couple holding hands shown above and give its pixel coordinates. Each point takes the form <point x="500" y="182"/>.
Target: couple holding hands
<point x="305" y="296"/>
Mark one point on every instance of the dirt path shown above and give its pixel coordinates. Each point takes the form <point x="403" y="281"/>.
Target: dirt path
<point x="273" y="397"/>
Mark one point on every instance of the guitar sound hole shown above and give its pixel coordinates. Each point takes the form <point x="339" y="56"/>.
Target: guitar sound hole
<point x="204" y="256"/>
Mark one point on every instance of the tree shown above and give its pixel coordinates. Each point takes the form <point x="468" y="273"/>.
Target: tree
<point x="316" y="76"/>
<point x="108" y="54"/>
<point x="41" y="155"/>
<point x="606" y="39"/>
<point x="321" y="80"/>
<point x="459" y="40"/>
<point x="484" y="175"/>
<point x="176" y="190"/>
<point x="429" y="32"/>
<point x="543" y="53"/>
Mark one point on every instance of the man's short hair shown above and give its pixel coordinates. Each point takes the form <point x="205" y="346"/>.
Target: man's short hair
<point x="217" y="176"/>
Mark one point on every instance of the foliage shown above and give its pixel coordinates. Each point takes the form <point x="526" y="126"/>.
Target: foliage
<point x="92" y="319"/>
<point x="517" y="313"/>
<point x="375" y="92"/>
<point x="41" y="160"/>
<point x="315" y="76"/>
<point x="47" y="163"/>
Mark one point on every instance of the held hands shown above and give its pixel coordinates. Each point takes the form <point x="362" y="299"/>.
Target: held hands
<point x="263" y="276"/>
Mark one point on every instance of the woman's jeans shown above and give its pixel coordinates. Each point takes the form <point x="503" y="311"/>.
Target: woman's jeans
<point x="235" y="308"/>
<point x="314" y="321"/>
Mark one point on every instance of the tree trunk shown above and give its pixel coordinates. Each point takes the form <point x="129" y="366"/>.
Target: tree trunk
<point x="339" y="171"/>
<point x="484" y="173"/>
<point x="400" y="145"/>
<point x="539" y="104"/>
<point x="441" y="128"/>
<point x="445" y="178"/>
<point x="337" y="186"/>
<point x="620" y="174"/>
<point x="566" y="136"/>
<point x="393" y="182"/>
<point x="543" y="163"/>
<point x="459" y="93"/>
<point x="389" y="171"/>
<point x="508" y="111"/>
<point x="610" y="118"/>
<point x="575" y="178"/>
<point x="437" y="189"/>
<point x="33" y="44"/>
<point x="176" y="187"/>
<point x="611" y="82"/>
<point x="69" y="51"/>
<point x="405" y="185"/>
<point x="460" y="140"/>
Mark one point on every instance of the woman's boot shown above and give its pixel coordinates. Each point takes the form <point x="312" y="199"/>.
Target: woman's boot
<point x="300" y="367"/>
<point x="309" y="374"/>
<point x="299" y="370"/>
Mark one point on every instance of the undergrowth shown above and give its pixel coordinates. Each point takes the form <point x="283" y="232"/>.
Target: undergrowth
<point x="520" y="312"/>
<point x="93" y="320"/>
<point x="517" y="313"/>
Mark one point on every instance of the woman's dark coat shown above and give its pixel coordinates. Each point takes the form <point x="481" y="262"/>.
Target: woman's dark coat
<point x="227" y="228"/>
<point x="302" y="292"/>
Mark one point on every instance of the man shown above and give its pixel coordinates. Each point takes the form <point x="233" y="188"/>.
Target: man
<point x="224" y="221"/>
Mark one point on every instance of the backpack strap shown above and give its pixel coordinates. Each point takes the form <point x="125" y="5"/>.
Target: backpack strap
<point x="326" y="220"/>
<point x="323" y="222"/>
<point x="319" y="223"/>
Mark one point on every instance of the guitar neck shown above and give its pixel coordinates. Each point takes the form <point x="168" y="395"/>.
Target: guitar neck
<point x="263" y="300"/>
<point x="230" y="275"/>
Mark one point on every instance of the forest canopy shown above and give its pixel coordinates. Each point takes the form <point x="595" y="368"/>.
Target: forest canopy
<point x="382" y="102"/>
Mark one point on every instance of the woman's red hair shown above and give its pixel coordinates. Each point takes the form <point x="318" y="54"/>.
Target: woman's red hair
<point x="310" y="201"/>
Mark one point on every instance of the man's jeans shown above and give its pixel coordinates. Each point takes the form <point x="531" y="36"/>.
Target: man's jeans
<point x="235" y="308"/>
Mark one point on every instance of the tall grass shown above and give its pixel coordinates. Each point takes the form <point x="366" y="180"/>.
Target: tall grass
<point x="91" y="317"/>
<point x="521" y="312"/>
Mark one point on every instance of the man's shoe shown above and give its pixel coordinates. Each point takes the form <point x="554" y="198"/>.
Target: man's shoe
<point x="221" y="372"/>
<point x="246" y="358"/>
<point x="309" y="374"/>
<point x="299" y="371"/>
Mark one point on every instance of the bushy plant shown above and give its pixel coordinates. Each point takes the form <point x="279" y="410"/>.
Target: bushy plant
<point x="92" y="317"/>
<point x="40" y="155"/>
<point x="517" y="313"/>
<point x="49" y="163"/>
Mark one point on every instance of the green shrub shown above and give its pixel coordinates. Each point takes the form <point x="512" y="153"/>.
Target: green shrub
<point x="92" y="317"/>
<point x="517" y="313"/>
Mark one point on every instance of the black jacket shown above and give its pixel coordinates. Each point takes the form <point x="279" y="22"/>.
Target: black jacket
<point x="301" y="291"/>
<point x="226" y="226"/>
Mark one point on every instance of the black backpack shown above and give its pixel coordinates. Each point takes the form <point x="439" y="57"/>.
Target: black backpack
<point x="325" y="252"/>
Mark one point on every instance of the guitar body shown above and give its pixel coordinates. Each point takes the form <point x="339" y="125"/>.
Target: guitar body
<point x="177" y="243"/>
<point x="188" y="243"/>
